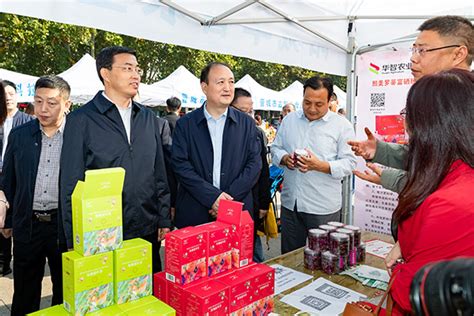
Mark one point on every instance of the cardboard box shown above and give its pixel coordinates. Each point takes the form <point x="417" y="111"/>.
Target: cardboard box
<point x="149" y="305"/>
<point x="186" y="255"/>
<point x="160" y="290"/>
<point x="132" y="271"/>
<point x="176" y="297"/>
<point x="108" y="311"/>
<point x="229" y="211"/>
<point x="208" y="298"/>
<point x="263" y="280"/>
<point x="242" y="237"/>
<point x="240" y="289"/>
<point x="57" y="310"/>
<point x="260" y="307"/>
<point x="87" y="282"/>
<point x="97" y="211"/>
<point x="219" y="247"/>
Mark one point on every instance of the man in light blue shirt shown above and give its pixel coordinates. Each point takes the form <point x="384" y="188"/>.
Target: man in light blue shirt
<point x="312" y="191"/>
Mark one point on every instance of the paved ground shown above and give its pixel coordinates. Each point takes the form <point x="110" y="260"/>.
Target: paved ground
<point x="6" y="283"/>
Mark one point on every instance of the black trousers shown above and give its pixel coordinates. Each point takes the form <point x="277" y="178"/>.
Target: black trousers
<point x="155" y="250"/>
<point x="5" y="253"/>
<point x="28" y="267"/>
<point x="295" y="226"/>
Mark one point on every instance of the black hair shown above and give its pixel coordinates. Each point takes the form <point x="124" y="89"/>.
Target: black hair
<point x="173" y="104"/>
<point x="8" y="83"/>
<point x="105" y="58"/>
<point x="54" y="82"/>
<point x="205" y="72"/>
<point x="240" y="92"/>
<point x="317" y="83"/>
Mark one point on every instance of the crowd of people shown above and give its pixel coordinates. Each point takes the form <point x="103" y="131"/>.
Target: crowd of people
<point x="178" y="169"/>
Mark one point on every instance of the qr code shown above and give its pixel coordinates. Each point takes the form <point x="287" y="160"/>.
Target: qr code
<point x="315" y="302"/>
<point x="377" y="100"/>
<point x="332" y="291"/>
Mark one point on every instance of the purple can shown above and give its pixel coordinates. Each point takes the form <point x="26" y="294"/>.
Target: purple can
<point x="352" y="261"/>
<point x="357" y="234"/>
<point x="328" y="228"/>
<point x="318" y="239"/>
<point x="361" y="252"/>
<point x="339" y="244"/>
<point x="329" y="262"/>
<point x="343" y="263"/>
<point x="336" y="224"/>
<point x="312" y="260"/>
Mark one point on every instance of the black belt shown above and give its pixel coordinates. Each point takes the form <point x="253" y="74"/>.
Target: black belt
<point x="44" y="215"/>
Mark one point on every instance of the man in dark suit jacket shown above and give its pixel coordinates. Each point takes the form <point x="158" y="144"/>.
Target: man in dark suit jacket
<point x="14" y="118"/>
<point x="173" y="107"/>
<point x="215" y="152"/>
<point x="30" y="183"/>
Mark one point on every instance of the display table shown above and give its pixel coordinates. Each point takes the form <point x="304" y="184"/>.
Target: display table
<point x="294" y="260"/>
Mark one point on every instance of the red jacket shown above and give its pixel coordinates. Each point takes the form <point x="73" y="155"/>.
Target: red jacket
<point x="441" y="228"/>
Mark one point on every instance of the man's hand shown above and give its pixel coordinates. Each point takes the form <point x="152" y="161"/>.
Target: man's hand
<point x="374" y="177"/>
<point x="392" y="257"/>
<point x="287" y="160"/>
<point x="162" y="232"/>
<point x="262" y="213"/>
<point x="366" y="149"/>
<point x="312" y="162"/>
<point x="6" y="232"/>
<point x="3" y="214"/>
<point x="215" y="206"/>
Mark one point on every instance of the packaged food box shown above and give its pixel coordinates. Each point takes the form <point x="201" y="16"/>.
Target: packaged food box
<point x="87" y="282"/>
<point x="186" y="255"/>
<point x="149" y="305"/>
<point x="132" y="271"/>
<point x="219" y="247"/>
<point x="97" y="211"/>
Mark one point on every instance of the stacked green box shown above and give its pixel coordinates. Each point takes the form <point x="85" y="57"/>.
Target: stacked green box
<point x="149" y="305"/>
<point x="132" y="271"/>
<point x="97" y="211"/>
<point x="87" y="282"/>
<point x="57" y="310"/>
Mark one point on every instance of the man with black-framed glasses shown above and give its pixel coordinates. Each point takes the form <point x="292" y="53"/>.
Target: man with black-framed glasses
<point x="112" y="130"/>
<point x="444" y="42"/>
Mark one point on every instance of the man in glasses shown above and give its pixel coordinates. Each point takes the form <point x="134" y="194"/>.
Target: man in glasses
<point x="112" y="130"/>
<point x="444" y="43"/>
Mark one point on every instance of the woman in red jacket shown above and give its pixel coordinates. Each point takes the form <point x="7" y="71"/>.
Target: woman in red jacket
<point x="435" y="212"/>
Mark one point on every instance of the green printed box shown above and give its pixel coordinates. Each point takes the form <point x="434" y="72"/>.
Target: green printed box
<point x="87" y="282"/>
<point x="132" y="270"/>
<point x="97" y="211"/>
<point x="149" y="305"/>
<point x="57" y="310"/>
<point x="113" y="310"/>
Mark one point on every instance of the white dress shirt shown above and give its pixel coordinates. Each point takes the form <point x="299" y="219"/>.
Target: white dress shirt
<point x="315" y="192"/>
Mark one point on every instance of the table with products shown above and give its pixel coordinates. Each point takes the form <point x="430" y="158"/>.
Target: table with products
<point x="294" y="260"/>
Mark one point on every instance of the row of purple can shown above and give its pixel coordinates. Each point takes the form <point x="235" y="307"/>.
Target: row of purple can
<point x="334" y="248"/>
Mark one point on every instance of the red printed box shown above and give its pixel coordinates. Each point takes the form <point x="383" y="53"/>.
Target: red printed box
<point x="263" y="280"/>
<point x="262" y="307"/>
<point x="186" y="255"/>
<point x="230" y="212"/>
<point x="220" y="247"/>
<point x="240" y="291"/>
<point x="160" y="290"/>
<point x="207" y="298"/>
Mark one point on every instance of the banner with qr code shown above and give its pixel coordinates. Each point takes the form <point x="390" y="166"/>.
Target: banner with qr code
<point x="384" y="78"/>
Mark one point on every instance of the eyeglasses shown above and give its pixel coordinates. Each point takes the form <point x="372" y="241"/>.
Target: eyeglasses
<point x="130" y="69"/>
<point x="403" y="112"/>
<point x="421" y="51"/>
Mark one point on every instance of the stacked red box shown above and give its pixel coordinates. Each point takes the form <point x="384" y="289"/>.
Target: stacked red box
<point x="219" y="247"/>
<point x="240" y="290"/>
<point x="230" y="212"/>
<point x="207" y="298"/>
<point x="186" y="255"/>
<point x="160" y="290"/>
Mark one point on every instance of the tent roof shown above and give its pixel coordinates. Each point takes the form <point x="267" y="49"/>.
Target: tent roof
<point x="25" y="84"/>
<point x="315" y="34"/>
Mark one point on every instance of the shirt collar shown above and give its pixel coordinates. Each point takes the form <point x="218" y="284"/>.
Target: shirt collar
<point x="60" y="130"/>
<point x="209" y="116"/>
<point x="103" y="103"/>
<point x="129" y="107"/>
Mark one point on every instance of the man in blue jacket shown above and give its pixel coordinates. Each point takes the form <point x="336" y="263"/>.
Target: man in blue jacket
<point x="215" y="152"/>
<point x="112" y="130"/>
<point x="29" y="190"/>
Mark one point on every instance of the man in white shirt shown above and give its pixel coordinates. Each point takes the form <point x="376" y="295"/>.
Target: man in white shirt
<point x="312" y="191"/>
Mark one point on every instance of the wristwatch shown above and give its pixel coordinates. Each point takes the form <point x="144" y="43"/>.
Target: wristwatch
<point x="7" y="205"/>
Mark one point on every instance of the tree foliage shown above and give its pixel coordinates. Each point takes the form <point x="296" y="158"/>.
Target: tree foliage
<point x="39" y="47"/>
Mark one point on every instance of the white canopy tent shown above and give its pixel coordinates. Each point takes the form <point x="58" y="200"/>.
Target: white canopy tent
<point x="182" y="84"/>
<point x="323" y="35"/>
<point x="294" y="93"/>
<point x="263" y="97"/>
